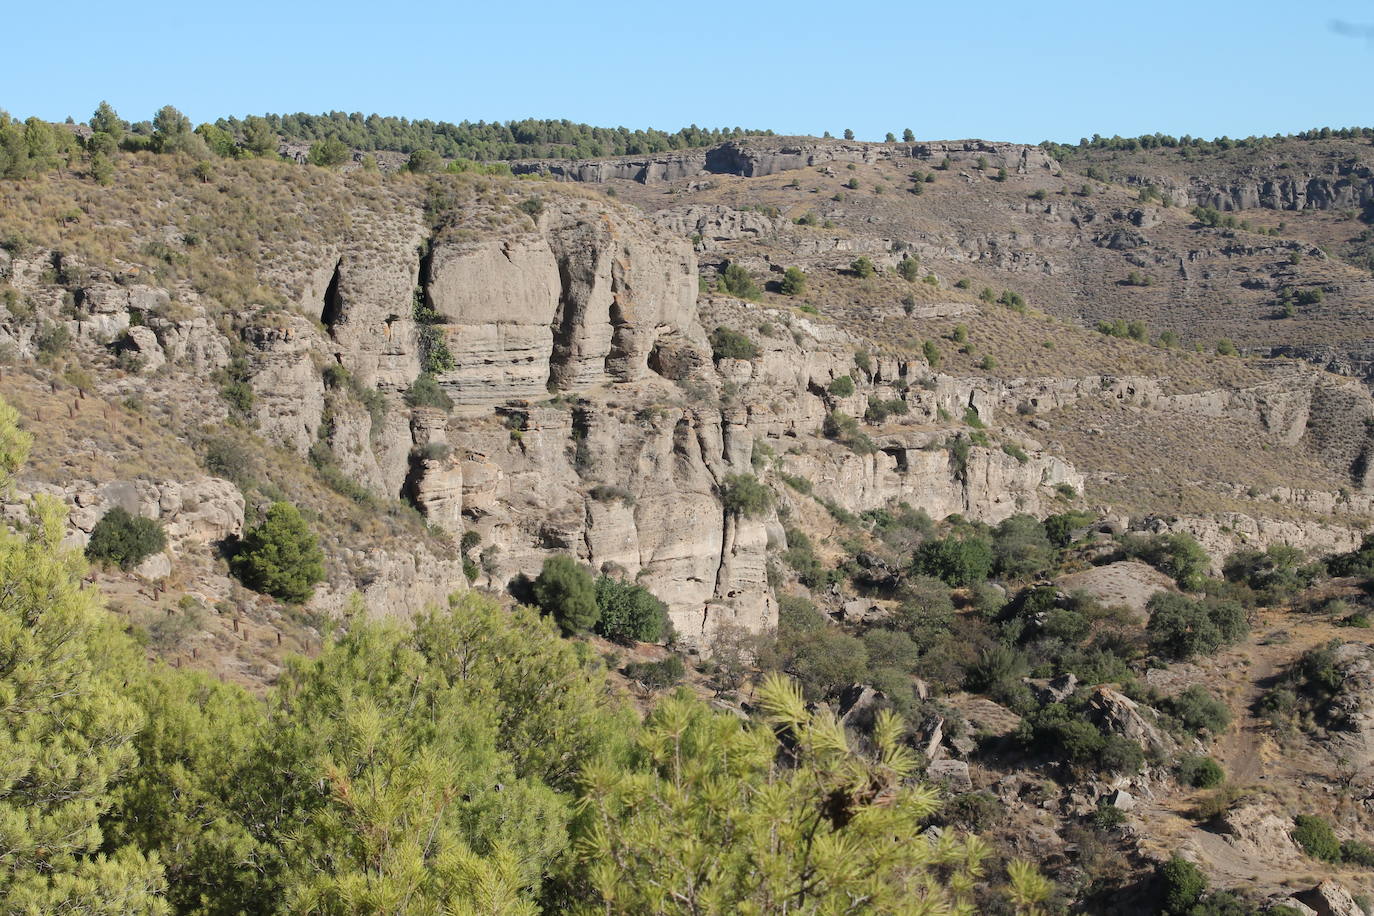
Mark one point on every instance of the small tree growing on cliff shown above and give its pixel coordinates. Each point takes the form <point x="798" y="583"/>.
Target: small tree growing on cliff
<point x="281" y="557"/>
<point x="793" y="282"/>
<point x="124" y="539"/>
<point x="565" y="591"/>
<point x="744" y="495"/>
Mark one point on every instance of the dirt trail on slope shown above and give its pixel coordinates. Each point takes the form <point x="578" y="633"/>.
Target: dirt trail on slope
<point x="1249" y="755"/>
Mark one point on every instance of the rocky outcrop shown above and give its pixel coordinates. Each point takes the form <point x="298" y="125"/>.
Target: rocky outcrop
<point x="1119" y="714"/>
<point x="1258" y="833"/>
<point x="288" y="402"/>
<point x="193" y="513"/>
<point x="1350" y="714"/>
<point x="582" y="301"/>
<point x="758" y="156"/>
<point x="1330" y="899"/>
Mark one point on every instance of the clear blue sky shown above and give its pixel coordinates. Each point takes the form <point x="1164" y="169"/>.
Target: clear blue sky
<point x="997" y="70"/>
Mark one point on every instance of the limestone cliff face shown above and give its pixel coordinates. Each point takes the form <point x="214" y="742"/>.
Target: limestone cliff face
<point x="758" y="156"/>
<point x="581" y="300"/>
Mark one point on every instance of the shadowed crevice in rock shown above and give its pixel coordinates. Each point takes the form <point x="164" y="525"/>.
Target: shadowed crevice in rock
<point x="332" y="311"/>
<point x="565" y="324"/>
<point x="410" y="488"/>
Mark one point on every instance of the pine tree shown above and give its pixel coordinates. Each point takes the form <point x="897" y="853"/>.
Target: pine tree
<point x="715" y="816"/>
<point x="66" y="730"/>
<point x="281" y="557"/>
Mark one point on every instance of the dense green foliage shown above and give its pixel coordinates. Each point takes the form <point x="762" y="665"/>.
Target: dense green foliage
<point x="527" y="139"/>
<point x="1176" y="555"/>
<point x="793" y="282"/>
<point x="841" y="387"/>
<point x="1200" y="772"/>
<point x="66" y="727"/>
<point x="727" y="343"/>
<point x="744" y="495"/>
<point x="1314" y="835"/>
<point x="566" y="591"/>
<point x="425" y="392"/>
<point x="710" y="818"/>
<point x="629" y="612"/>
<point x="957" y="560"/>
<point x="1180" y="627"/>
<point x="124" y="540"/>
<point x="736" y="281"/>
<point x="1189" y="144"/>
<point x="281" y="556"/>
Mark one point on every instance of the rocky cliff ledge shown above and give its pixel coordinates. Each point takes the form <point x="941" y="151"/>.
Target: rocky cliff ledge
<point x="756" y="157"/>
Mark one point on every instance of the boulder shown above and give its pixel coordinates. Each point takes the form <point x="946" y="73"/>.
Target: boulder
<point x="953" y="774"/>
<point x="157" y="566"/>
<point x="1258" y="832"/>
<point x="858" y="705"/>
<point x="1052" y="690"/>
<point x="1117" y="713"/>
<point x="143" y="344"/>
<point x="1331" y="899"/>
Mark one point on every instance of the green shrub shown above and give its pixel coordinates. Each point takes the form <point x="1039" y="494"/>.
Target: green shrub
<point x="841" y="387"/>
<point x="565" y="591"/>
<point x="1197" y="709"/>
<point x="862" y="268"/>
<point x="1314" y="835"/>
<point x="329" y="152"/>
<point x="1021" y="547"/>
<point x="124" y="540"/>
<point x="1180" y="628"/>
<point x="1200" y="772"/>
<point x="727" y="343"/>
<point x="931" y="351"/>
<point x="1120" y="754"/>
<point x="1059" y="528"/>
<point x="909" y="268"/>
<point x="1183" y="883"/>
<point x="744" y="495"/>
<point x="957" y="561"/>
<point x="793" y="282"/>
<point x="844" y="429"/>
<point x="280" y="557"/>
<point x="425" y="392"/>
<point x="1357" y="853"/>
<point x="629" y="612"/>
<point x="658" y="675"/>
<point x="1176" y="555"/>
<point x="736" y="281"/>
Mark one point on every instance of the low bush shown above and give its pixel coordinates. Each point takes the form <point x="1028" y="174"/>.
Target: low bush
<point x="658" y="675"/>
<point x="425" y="392"/>
<point x="958" y="561"/>
<point x="124" y="540"/>
<point x="1314" y="835"/>
<point x="1200" y="772"/>
<point x="727" y="343"/>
